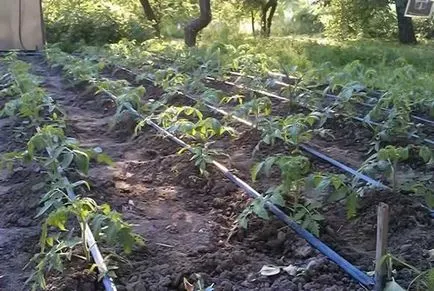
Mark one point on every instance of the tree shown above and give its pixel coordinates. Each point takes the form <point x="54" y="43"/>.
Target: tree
<point x="372" y="18"/>
<point x="270" y="8"/>
<point x="192" y="29"/>
<point x="267" y="8"/>
<point x="150" y="15"/>
<point x="405" y="25"/>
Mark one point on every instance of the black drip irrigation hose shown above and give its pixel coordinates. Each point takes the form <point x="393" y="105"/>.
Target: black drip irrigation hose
<point x="418" y="118"/>
<point x="413" y="135"/>
<point x="344" y="167"/>
<point x="334" y="162"/>
<point x="304" y="147"/>
<point x="295" y="79"/>
<point x="284" y="99"/>
<point x="423" y="120"/>
<point x="353" y="271"/>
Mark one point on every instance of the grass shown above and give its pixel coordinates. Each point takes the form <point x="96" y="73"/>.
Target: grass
<point x="308" y="52"/>
<point x="314" y="53"/>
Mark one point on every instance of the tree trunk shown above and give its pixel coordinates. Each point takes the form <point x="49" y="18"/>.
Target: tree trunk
<point x="253" y="23"/>
<point x="267" y="21"/>
<point x="405" y="25"/>
<point x="264" y="20"/>
<point x="273" y="6"/>
<point x="194" y="27"/>
<point x="150" y="15"/>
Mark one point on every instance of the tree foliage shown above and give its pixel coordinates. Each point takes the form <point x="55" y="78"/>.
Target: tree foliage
<point x="369" y="18"/>
<point x="72" y="22"/>
<point x="97" y="22"/>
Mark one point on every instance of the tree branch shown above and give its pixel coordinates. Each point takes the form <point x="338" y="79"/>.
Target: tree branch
<point x="194" y="27"/>
<point x="150" y="15"/>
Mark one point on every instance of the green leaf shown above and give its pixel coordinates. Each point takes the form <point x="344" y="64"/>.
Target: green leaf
<point x="351" y="204"/>
<point x="126" y="239"/>
<point x="104" y="159"/>
<point x="67" y="160"/>
<point x="429" y="279"/>
<point x="82" y="161"/>
<point x="425" y="153"/>
<point x="313" y="227"/>
<point x="50" y="241"/>
<point x="79" y="183"/>
<point x="306" y="223"/>
<point x="58" y="218"/>
<point x="404" y="153"/>
<point x="105" y="208"/>
<point x="255" y="170"/>
<point x="46" y="206"/>
<point x="269" y="162"/>
<point x="299" y="214"/>
<point x="259" y="209"/>
<point x="97" y="225"/>
<point x="337" y="182"/>
<point x="277" y="199"/>
<point x="393" y="286"/>
<point x="56" y="262"/>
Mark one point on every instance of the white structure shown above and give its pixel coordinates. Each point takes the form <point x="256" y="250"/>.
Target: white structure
<point x="419" y="8"/>
<point x="21" y="25"/>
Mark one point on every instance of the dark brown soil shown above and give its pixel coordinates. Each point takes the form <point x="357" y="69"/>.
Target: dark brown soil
<point x="187" y="220"/>
<point x="19" y="231"/>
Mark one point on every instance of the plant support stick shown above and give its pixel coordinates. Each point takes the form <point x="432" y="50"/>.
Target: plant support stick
<point x="382" y="231"/>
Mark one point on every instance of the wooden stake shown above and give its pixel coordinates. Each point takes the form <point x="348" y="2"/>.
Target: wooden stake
<point x="382" y="232"/>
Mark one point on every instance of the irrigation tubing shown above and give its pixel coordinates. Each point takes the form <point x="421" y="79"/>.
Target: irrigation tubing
<point x="354" y="272"/>
<point x="340" y="165"/>
<point x="336" y="163"/>
<point x="310" y="238"/>
<point x="295" y="79"/>
<point x="283" y="84"/>
<point x="413" y="135"/>
<point x="344" y="167"/>
<point x="90" y="239"/>
<point x="304" y="147"/>
<point x="275" y="96"/>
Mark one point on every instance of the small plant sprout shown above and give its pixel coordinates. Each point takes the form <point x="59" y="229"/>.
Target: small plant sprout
<point x="289" y="193"/>
<point x="386" y="161"/>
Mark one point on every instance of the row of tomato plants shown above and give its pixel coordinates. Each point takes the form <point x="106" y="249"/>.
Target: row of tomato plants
<point x="62" y="159"/>
<point x="387" y="160"/>
<point x="294" y="169"/>
<point x="405" y="91"/>
<point x="392" y="121"/>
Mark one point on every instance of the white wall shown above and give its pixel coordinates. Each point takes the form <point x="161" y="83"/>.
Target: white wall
<point x="31" y="25"/>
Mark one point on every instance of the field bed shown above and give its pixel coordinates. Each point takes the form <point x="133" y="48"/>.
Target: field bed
<point x="358" y="245"/>
<point x="347" y="141"/>
<point x="366" y="234"/>
<point x="187" y="220"/>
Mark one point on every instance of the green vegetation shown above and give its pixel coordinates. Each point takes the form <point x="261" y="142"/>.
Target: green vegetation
<point x="59" y="156"/>
<point x="289" y="72"/>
